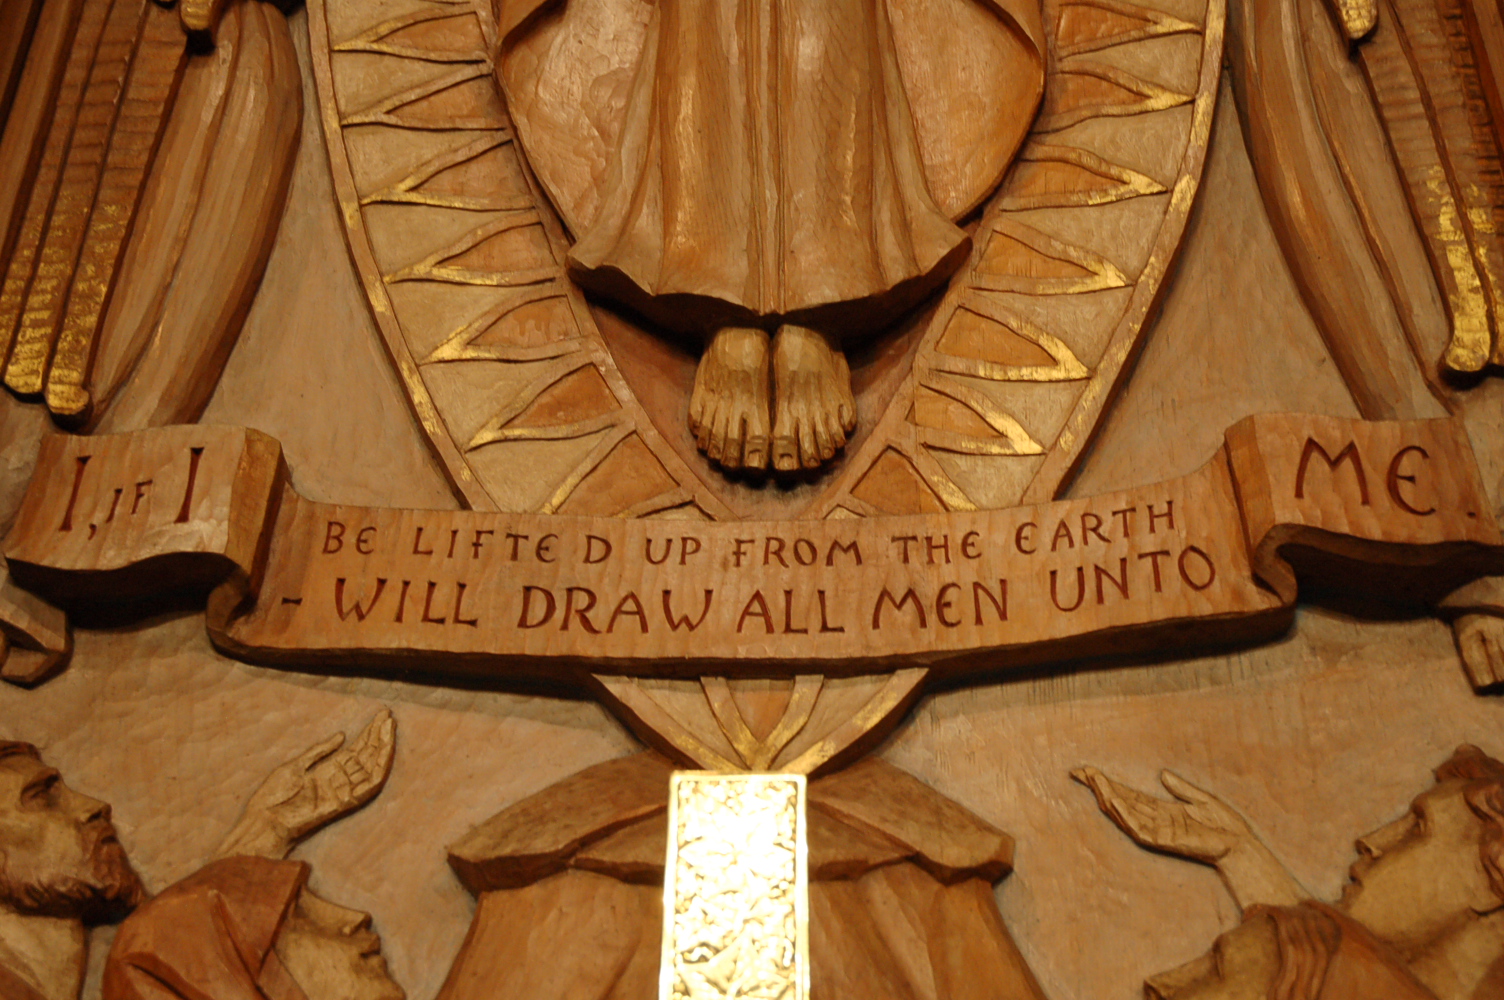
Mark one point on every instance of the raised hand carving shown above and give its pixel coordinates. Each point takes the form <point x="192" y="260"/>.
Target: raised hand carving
<point x="1201" y="827"/>
<point x="1480" y="642"/>
<point x="1422" y="917"/>
<point x="314" y="789"/>
<point x="1194" y="825"/>
<point x="247" y="924"/>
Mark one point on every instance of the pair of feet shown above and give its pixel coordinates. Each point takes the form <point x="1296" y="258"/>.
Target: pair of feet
<point x="783" y="400"/>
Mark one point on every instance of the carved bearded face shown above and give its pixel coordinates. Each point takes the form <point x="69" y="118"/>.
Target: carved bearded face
<point x="1422" y="875"/>
<point x="59" y="855"/>
<point x="333" y="954"/>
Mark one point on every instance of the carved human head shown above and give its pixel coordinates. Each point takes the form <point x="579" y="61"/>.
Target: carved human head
<point x="1441" y="864"/>
<point x="247" y="928"/>
<point x="333" y="953"/>
<point x="59" y="855"/>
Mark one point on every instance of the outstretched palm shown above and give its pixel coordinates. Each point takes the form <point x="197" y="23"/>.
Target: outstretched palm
<point x="325" y="782"/>
<point x="1195" y="824"/>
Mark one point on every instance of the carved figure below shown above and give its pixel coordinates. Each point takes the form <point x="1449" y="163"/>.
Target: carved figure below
<point x="1421" y="919"/>
<point x="570" y="889"/>
<point x="62" y="870"/>
<point x="764" y="175"/>
<point x="247" y="928"/>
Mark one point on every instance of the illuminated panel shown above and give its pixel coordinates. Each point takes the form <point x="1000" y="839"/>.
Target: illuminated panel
<point x="735" y="889"/>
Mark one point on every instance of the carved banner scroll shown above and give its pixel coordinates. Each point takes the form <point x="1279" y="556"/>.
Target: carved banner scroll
<point x="1210" y="557"/>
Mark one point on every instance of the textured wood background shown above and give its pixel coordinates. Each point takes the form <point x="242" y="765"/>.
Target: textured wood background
<point x="1318" y="737"/>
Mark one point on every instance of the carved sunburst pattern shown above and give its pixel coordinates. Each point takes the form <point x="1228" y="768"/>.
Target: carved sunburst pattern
<point x="1019" y="363"/>
<point x="462" y="260"/>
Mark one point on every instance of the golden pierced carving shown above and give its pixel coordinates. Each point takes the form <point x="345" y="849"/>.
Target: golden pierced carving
<point x="1109" y="370"/>
<point x="469" y="163"/>
<point x="736" y="888"/>
<point x="898" y="468"/>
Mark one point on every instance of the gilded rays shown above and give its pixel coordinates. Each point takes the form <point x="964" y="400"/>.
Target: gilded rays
<point x="462" y="257"/>
<point x="1019" y="360"/>
<point x="464" y="262"/>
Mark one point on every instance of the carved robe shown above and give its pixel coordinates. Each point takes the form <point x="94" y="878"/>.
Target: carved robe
<point x="763" y="158"/>
<point x="13" y="987"/>
<point x="570" y="887"/>
<point x="210" y="936"/>
<point x="1306" y="952"/>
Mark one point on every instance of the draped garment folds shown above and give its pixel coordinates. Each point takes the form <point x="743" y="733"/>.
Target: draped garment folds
<point x="1306" y="952"/>
<point x="570" y="889"/>
<point x="209" y="936"/>
<point x="769" y="157"/>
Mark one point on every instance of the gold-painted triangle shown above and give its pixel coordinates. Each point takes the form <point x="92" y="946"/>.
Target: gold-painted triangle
<point x="902" y="483"/>
<point x="463" y="98"/>
<point x="627" y="481"/>
<point x="593" y="459"/>
<point x="1080" y="89"/>
<point x="759" y="751"/>
<point x="946" y="488"/>
<point x="524" y="326"/>
<point x="1049" y="176"/>
<point x="983" y="339"/>
<point x="956" y="417"/>
<point x="892" y="485"/>
<point x="1020" y="258"/>
<point x="450" y="179"/>
<point x="431" y="35"/>
<point x="511" y="249"/>
<point x="567" y="400"/>
<point x="1092" y="25"/>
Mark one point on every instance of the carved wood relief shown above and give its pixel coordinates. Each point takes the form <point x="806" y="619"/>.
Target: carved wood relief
<point x="988" y="346"/>
<point x="857" y="424"/>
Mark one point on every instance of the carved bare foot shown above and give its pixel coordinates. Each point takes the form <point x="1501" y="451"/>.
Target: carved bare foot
<point x="728" y="411"/>
<point x="813" y="408"/>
